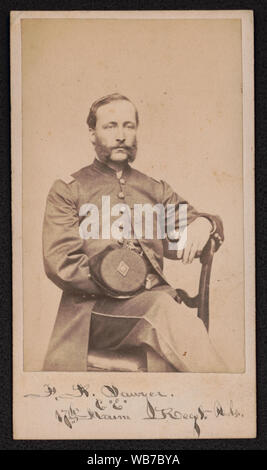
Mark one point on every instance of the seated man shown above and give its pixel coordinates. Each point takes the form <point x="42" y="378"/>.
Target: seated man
<point x="89" y="315"/>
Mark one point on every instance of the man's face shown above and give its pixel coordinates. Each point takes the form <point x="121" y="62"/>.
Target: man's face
<point x="114" y="136"/>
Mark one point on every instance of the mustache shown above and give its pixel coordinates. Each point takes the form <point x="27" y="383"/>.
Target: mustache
<point x="104" y="152"/>
<point x="125" y="147"/>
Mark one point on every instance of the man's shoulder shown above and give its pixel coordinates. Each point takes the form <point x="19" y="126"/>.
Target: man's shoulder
<point x="143" y="176"/>
<point x="82" y="173"/>
<point x="67" y="179"/>
<point x="68" y="185"/>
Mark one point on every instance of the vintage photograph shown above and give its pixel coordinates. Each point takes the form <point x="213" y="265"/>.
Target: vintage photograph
<point x="115" y="286"/>
<point x="134" y="188"/>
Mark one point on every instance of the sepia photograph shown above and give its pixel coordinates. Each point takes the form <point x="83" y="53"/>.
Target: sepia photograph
<point x="133" y="229"/>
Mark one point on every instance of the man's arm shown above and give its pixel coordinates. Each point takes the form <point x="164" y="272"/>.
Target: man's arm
<point x="64" y="260"/>
<point x="200" y="227"/>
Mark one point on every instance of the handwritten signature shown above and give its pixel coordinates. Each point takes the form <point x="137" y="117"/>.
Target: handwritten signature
<point x="154" y="412"/>
<point x="108" y="391"/>
<point x="110" y="404"/>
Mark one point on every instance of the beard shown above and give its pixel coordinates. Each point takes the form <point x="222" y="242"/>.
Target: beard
<point x="104" y="153"/>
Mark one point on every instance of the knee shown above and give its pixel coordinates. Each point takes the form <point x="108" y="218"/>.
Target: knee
<point x="166" y="302"/>
<point x="180" y="314"/>
<point x="168" y="309"/>
<point x="177" y="315"/>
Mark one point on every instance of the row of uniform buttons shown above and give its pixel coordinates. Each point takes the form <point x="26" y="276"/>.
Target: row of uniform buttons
<point x="122" y="210"/>
<point x="121" y="194"/>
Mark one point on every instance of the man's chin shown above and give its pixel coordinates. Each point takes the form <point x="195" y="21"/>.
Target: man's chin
<point x="118" y="156"/>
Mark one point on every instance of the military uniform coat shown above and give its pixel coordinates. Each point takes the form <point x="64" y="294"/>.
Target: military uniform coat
<point x="66" y="254"/>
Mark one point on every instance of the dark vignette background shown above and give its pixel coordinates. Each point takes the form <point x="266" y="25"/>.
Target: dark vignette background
<point x="6" y="441"/>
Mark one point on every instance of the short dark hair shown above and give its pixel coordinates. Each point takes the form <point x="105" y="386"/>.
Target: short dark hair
<point x="91" y="120"/>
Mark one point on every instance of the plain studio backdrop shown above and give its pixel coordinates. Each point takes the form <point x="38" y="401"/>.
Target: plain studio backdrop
<point x="185" y="77"/>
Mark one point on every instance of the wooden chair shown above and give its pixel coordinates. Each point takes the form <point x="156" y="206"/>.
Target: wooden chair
<point x="201" y="300"/>
<point x="147" y="360"/>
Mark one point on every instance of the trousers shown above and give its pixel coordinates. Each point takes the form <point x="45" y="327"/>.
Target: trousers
<point x="154" y="319"/>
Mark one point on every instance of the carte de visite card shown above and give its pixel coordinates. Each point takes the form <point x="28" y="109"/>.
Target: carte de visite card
<point x="133" y="224"/>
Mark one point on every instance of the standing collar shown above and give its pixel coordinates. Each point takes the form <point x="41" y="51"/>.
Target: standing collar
<point x="104" y="168"/>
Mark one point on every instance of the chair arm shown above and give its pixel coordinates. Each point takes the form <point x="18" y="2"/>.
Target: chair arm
<point x="206" y="259"/>
<point x="182" y="296"/>
<point x="201" y="300"/>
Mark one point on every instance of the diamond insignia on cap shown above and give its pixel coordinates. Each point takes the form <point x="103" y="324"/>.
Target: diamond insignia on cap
<point x="123" y="268"/>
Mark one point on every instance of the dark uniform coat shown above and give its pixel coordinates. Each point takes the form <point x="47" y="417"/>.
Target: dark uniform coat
<point x="66" y="254"/>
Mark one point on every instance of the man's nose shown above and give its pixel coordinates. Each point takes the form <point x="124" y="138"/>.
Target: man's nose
<point x="120" y="135"/>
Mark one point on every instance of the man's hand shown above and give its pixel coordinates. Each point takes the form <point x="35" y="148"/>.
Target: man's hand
<point x="198" y="234"/>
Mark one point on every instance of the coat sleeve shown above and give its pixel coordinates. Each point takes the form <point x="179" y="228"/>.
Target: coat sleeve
<point x="65" y="262"/>
<point x="171" y="197"/>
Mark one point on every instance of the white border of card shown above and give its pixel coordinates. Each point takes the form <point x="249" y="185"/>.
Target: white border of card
<point x="53" y="405"/>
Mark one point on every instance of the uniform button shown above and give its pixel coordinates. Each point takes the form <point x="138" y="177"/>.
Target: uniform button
<point x="93" y="296"/>
<point x="121" y="225"/>
<point x="121" y="195"/>
<point x="122" y="181"/>
<point x="122" y="210"/>
<point x="120" y="241"/>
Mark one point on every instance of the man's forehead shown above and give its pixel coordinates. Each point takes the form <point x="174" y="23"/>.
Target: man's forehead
<point x="116" y="109"/>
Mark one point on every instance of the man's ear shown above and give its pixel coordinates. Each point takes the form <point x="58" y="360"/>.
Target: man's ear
<point x="92" y="135"/>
